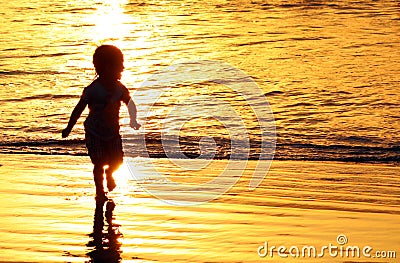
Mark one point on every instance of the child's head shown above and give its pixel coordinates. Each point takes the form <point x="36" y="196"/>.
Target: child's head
<point x="108" y="61"/>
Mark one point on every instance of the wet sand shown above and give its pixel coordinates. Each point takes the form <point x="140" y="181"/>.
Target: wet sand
<point x="49" y="213"/>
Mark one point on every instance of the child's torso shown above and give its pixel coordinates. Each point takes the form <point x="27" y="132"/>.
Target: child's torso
<point x="104" y="105"/>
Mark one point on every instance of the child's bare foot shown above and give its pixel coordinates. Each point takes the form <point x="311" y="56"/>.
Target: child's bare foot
<point x="111" y="184"/>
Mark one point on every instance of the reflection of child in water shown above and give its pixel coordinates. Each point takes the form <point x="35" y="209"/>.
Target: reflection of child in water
<point x="103" y="97"/>
<point x="107" y="247"/>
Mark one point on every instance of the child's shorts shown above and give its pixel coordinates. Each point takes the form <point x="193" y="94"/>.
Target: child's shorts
<point x="104" y="152"/>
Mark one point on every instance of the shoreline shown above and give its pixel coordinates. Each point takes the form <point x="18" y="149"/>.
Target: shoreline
<point x="355" y="161"/>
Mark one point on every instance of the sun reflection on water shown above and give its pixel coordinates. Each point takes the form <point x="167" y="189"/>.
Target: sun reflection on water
<point x="122" y="176"/>
<point x="115" y="24"/>
<point x="111" y="23"/>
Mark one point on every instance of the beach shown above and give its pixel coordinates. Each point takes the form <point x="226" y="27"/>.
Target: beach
<point x="221" y="87"/>
<point x="48" y="211"/>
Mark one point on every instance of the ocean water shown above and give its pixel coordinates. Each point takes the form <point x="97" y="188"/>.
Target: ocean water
<point x="329" y="70"/>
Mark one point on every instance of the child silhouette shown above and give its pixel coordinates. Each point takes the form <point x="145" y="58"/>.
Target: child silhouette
<point x="103" y="97"/>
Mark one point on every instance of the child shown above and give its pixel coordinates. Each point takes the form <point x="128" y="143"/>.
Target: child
<point x="103" y="97"/>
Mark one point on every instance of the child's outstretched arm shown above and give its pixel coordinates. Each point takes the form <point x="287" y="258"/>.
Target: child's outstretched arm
<point x="133" y="114"/>
<point x="76" y="113"/>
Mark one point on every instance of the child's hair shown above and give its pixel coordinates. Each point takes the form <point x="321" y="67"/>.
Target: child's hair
<point x="106" y="56"/>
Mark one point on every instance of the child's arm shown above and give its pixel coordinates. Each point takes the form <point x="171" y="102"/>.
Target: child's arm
<point x="133" y="114"/>
<point x="76" y="113"/>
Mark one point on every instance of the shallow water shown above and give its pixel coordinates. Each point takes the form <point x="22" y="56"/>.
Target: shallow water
<point x="329" y="70"/>
<point x="48" y="213"/>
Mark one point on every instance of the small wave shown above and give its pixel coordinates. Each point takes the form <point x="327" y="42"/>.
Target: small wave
<point x="43" y="142"/>
<point x="74" y="147"/>
<point x="344" y="153"/>
<point x="189" y="146"/>
<point x="80" y="9"/>
<point x="256" y="43"/>
<point x="42" y="97"/>
<point x="308" y="38"/>
<point x="274" y="92"/>
<point x="50" y="55"/>
<point x="22" y="72"/>
<point x="138" y="3"/>
<point x="300" y="4"/>
<point x="301" y="104"/>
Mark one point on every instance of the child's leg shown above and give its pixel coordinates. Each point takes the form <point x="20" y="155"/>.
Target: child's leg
<point x="98" y="177"/>
<point x="114" y="160"/>
<point x="109" y="176"/>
